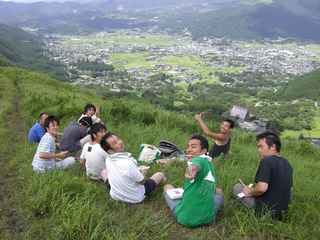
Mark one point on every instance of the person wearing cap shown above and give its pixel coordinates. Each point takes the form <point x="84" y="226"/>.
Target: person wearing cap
<point x="72" y="136"/>
<point x="37" y="131"/>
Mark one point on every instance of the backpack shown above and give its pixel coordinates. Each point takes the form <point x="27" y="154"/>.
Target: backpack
<point x="169" y="150"/>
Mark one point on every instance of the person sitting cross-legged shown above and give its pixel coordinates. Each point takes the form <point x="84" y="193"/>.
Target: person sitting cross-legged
<point x="93" y="155"/>
<point x="127" y="180"/>
<point x="46" y="158"/>
<point x="273" y="181"/>
<point x="201" y="200"/>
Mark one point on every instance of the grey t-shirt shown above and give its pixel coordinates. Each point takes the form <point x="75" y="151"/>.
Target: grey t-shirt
<point x="71" y="137"/>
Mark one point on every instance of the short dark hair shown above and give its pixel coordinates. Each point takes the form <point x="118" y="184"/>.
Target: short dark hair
<point x="49" y="120"/>
<point x="86" y="121"/>
<point x="203" y="141"/>
<point x="95" y="128"/>
<point x="104" y="141"/>
<point x="230" y="121"/>
<point x="88" y="107"/>
<point x="271" y="139"/>
<point x="43" y="113"/>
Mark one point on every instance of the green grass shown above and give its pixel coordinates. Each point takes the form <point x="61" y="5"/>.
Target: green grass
<point x="315" y="132"/>
<point x="314" y="48"/>
<point x="65" y="205"/>
<point x="121" y="38"/>
<point x="198" y="66"/>
<point x="138" y="59"/>
<point x="193" y="63"/>
<point x="131" y="60"/>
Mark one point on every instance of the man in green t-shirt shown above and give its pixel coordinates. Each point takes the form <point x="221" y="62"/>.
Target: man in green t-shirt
<point x="201" y="200"/>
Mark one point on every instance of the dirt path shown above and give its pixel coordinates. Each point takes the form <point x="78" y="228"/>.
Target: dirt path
<point x="11" y="224"/>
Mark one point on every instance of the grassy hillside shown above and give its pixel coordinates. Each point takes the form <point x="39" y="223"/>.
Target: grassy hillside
<point x="307" y="86"/>
<point x="23" y="49"/>
<point x="65" y="205"/>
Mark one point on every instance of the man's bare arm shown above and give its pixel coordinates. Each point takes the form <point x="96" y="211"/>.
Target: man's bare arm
<point x="48" y="155"/>
<point x="256" y="191"/>
<point x="206" y="130"/>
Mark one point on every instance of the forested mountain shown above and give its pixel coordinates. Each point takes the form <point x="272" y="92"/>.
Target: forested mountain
<point x="20" y="48"/>
<point x="307" y="86"/>
<point x="253" y="20"/>
<point x="239" y="19"/>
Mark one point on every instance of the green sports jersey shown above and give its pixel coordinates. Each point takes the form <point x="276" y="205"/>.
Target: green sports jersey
<point x="197" y="205"/>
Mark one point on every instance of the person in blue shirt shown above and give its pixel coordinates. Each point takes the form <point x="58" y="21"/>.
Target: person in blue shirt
<point x="37" y="131"/>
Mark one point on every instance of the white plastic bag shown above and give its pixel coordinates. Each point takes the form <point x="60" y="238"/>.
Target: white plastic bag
<point x="148" y="153"/>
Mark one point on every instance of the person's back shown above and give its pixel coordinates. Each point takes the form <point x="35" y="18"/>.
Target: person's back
<point x="36" y="133"/>
<point x="124" y="177"/>
<point x="70" y="140"/>
<point x="197" y="206"/>
<point x="278" y="172"/>
<point x="94" y="157"/>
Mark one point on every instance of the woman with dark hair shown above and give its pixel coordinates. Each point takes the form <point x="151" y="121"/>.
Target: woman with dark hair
<point x="90" y="110"/>
<point x="93" y="155"/>
<point x="46" y="158"/>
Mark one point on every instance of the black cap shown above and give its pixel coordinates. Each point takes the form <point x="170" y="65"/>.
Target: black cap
<point x="86" y="121"/>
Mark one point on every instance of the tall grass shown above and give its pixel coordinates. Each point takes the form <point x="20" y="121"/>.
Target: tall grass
<point x="65" y="205"/>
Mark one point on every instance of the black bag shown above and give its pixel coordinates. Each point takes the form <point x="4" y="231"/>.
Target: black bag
<point x="169" y="150"/>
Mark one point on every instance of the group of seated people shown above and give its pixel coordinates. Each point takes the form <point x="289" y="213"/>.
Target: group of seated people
<point x="104" y="156"/>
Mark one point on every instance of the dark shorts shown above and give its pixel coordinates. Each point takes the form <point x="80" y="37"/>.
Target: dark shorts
<point x="150" y="185"/>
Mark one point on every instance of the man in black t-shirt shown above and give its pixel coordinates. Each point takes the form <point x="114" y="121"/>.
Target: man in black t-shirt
<point x="273" y="181"/>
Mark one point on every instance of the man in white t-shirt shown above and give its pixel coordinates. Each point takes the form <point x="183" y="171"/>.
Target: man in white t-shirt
<point x="126" y="179"/>
<point x="92" y="153"/>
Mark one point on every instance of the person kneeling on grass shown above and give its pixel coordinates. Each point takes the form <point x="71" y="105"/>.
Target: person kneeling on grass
<point x="201" y="200"/>
<point x="93" y="155"/>
<point x="126" y="179"/>
<point x="46" y="158"/>
<point x="273" y="181"/>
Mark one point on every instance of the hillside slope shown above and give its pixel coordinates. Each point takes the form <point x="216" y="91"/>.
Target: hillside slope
<point x="307" y="86"/>
<point x="253" y="20"/>
<point x="23" y="49"/>
<point x="65" y="205"/>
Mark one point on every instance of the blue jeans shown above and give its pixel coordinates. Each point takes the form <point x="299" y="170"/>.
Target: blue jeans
<point x="172" y="204"/>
